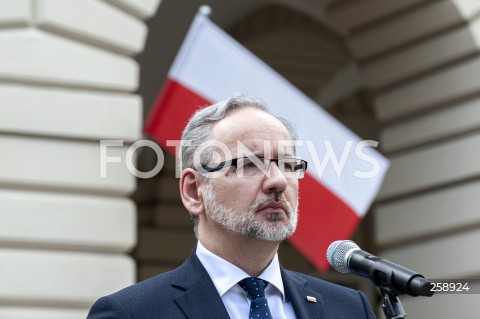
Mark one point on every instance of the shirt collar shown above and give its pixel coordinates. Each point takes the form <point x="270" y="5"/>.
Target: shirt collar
<point x="225" y="275"/>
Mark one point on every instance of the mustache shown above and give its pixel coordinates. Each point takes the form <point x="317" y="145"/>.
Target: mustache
<point x="273" y="198"/>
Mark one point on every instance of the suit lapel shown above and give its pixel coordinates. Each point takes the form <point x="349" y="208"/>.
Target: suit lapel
<point x="297" y="292"/>
<point x="200" y="299"/>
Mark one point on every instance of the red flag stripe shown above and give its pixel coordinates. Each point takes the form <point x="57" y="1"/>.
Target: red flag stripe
<point x="324" y="218"/>
<point x="173" y="108"/>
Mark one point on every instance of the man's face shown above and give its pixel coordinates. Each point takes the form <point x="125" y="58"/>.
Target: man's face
<point x="262" y="207"/>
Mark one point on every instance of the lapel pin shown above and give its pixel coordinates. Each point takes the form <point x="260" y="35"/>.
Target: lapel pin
<point x="311" y="299"/>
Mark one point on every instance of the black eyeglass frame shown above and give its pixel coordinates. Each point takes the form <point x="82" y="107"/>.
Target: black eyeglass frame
<point x="233" y="162"/>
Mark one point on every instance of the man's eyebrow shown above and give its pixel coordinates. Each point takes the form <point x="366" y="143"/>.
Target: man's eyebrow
<point x="258" y="155"/>
<point x="261" y="155"/>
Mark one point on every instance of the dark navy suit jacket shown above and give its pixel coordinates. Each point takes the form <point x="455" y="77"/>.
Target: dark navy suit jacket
<point x="188" y="292"/>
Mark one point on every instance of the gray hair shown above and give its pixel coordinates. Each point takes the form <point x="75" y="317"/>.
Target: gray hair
<point x="198" y="130"/>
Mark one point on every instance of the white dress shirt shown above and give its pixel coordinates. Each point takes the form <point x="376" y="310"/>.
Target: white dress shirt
<point x="225" y="277"/>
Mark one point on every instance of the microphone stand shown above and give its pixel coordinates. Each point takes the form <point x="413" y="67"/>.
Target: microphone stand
<point x="391" y="305"/>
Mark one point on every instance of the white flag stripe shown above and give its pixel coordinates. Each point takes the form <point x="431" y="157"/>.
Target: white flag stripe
<point x="214" y="58"/>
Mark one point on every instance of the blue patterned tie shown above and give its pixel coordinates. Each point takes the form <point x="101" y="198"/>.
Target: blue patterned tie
<point x="255" y="289"/>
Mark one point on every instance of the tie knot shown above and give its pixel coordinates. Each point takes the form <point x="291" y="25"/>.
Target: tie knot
<point x="254" y="287"/>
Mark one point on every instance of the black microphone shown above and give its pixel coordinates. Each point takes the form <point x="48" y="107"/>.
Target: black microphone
<point x="345" y="256"/>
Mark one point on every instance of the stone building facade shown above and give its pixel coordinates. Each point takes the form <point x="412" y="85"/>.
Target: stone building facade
<point x="76" y="72"/>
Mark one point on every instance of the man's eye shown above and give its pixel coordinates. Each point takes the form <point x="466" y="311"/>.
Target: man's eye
<point x="248" y="165"/>
<point x="289" y="166"/>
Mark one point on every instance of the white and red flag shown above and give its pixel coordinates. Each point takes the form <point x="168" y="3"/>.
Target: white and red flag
<point x="344" y="173"/>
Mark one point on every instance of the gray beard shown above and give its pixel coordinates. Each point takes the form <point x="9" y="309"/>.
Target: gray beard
<point x="244" y="223"/>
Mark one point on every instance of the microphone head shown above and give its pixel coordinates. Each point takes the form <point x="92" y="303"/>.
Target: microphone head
<point x="338" y="252"/>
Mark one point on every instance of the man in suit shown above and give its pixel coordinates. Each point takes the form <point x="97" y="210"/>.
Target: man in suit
<point x="239" y="182"/>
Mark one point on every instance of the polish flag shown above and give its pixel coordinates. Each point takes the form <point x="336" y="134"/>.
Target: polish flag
<point x="344" y="173"/>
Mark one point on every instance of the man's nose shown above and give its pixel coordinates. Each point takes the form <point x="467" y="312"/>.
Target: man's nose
<point x="274" y="181"/>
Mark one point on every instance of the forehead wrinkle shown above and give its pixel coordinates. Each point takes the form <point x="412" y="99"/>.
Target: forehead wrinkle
<point x="253" y="128"/>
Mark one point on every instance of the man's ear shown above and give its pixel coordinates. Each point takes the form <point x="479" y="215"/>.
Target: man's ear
<point x="190" y="184"/>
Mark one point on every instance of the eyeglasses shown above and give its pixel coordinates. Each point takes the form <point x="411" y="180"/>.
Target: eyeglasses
<point x="255" y="166"/>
